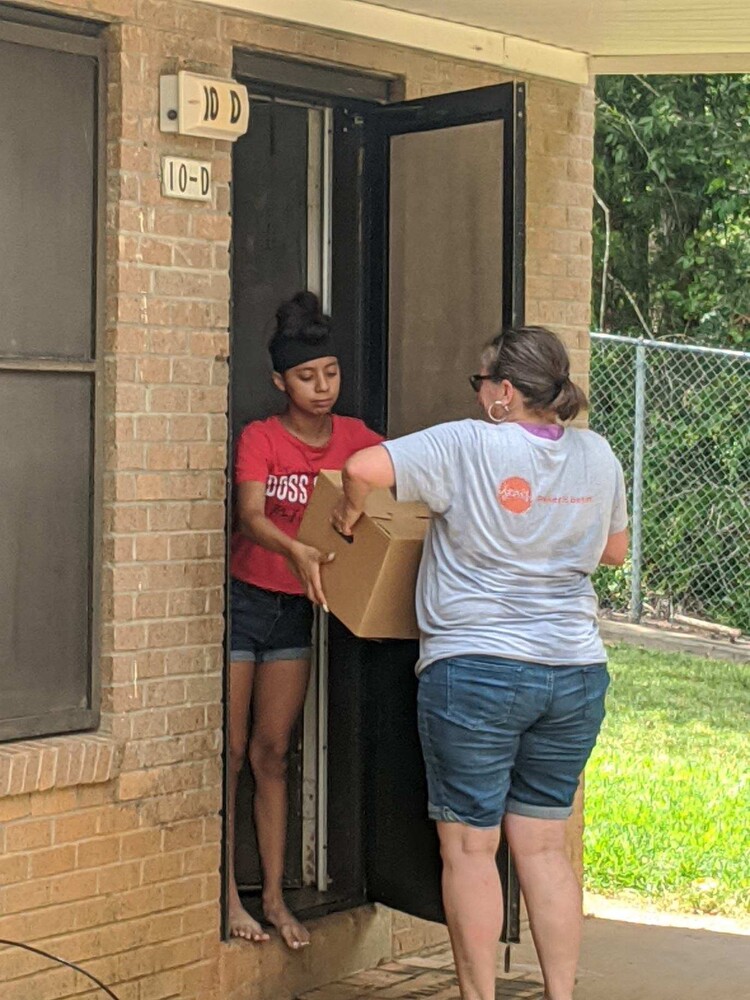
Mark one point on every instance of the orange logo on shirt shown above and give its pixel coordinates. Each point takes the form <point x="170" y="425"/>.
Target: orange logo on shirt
<point x="514" y="494"/>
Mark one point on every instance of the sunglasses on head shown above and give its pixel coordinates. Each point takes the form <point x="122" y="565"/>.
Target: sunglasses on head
<point x="476" y="381"/>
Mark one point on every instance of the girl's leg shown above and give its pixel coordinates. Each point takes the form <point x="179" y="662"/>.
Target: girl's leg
<point x="472" y="897"/>
<point x="241" y="924"/>
<point x="553" y="898"/>
<point x="278" y="697"/>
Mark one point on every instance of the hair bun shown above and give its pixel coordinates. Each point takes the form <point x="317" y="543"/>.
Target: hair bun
<point x="302" y="318"/>
<point x="308" y="303"/>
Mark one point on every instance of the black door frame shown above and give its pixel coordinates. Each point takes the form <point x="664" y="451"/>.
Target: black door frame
<point x="350" y="95"/>
<point x="364" y="119"/>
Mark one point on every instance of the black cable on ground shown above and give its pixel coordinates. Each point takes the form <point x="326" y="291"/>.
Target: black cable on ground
<point x="61" y="961"/>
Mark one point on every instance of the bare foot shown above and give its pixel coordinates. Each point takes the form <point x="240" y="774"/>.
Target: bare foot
<point x="242" y="925"/>
<point x="295" y="936"/>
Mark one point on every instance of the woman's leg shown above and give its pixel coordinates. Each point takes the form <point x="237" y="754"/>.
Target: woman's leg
<point x="241" y="924"/>
<point x="278" y="697"/>
<point x="473" y="902"/>
<point x="552" y="755"/>
<point x="553" y="898"/>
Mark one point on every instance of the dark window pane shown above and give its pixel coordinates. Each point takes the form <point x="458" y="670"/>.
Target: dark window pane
<point x="446" y="269"/>
<point x="45" y="457"/>
<point x="47" y="165"/>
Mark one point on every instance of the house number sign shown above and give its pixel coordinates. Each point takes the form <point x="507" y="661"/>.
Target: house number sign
<point x="206" y="106"/>
<point x="183" y="178"/>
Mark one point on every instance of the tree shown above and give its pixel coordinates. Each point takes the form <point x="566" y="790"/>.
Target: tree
<point x="672" y="227"/>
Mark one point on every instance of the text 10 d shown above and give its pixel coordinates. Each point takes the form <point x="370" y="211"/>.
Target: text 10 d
<point x="184" y="178"/>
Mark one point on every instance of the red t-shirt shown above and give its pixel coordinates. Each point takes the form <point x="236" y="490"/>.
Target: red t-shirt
<point x="268" y="453"/>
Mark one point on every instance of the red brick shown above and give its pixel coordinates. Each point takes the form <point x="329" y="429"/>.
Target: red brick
<point x="189" y="254"/>
<point x="195" y="371"/>
<point x="188" y="602"/>
<point x="171" y="222"/>
<point x="169" y="400"/>
<point x="130" y="398"/>
<point x="212" y="400"/>
<point x="15" y="868"/>
<point x="190" y="545"/>
<point x="129" y="637"/>
<point x="146" y="725"/>
<point x="153" y="370"/>
<point x="189" y="428"/>
<point x="119" y="878"/>
<point x="207" y="516"/>
<point x="26" y="835"/>
<point x="151" y="605"/>
<point x="185" y="720"/>
<point x="167" y="456"/>
<point x="163" y="634"/>
<point x="99" y="852"/>
<point x="191" y="315"/>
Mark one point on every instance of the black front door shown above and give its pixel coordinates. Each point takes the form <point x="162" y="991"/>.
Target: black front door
<point x="445" y="246"/>
<point x="426" y="255"/>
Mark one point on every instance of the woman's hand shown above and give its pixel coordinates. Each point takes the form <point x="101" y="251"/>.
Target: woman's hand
<point x="345" y="515"/>
<point x="305" y="562"/>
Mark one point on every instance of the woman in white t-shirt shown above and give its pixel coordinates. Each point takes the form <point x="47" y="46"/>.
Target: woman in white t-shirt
<point x="512" y="670"/>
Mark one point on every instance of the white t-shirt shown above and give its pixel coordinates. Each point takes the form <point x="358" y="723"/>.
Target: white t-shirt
<point x="521" y="522"/>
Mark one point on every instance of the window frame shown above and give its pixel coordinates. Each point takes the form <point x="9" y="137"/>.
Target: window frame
<point x="77" y="37"/>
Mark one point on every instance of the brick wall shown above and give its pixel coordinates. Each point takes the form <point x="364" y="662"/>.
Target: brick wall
<point x="110" y="844"/>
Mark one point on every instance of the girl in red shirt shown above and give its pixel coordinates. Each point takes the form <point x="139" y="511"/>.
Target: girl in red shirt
<point x="275" y="581"/>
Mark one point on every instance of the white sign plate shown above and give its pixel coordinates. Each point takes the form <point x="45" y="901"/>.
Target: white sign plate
<point x="183" y="178"/>
<point x="206" y="106"/>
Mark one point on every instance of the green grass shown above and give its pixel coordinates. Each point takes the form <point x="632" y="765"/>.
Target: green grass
<point x="668" y="786"/>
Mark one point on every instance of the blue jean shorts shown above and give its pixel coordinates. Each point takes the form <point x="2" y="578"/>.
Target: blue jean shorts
<point x="503" y="736"/>
<point x="269" y="626"/>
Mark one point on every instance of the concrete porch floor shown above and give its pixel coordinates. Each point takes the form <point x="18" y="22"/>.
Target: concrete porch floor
<point x="620" y="960"/>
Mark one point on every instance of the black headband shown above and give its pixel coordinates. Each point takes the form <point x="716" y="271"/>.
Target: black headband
<point x="288" y="352"/>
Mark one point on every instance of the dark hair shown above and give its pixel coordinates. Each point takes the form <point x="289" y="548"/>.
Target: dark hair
<point x="301" y="318"/>
<point x="303" y="332"/>
<point x="534" y="361"/>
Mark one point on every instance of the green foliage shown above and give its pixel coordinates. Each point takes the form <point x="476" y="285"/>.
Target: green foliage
<point x="667" y="788"/>
<point x="672" y="163"/>
<point x="696" y="478"/>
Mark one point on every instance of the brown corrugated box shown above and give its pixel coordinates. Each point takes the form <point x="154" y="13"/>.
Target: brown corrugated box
<point x="370" y="584"/>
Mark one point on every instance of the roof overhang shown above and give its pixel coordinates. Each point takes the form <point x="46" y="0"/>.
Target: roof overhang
<point x="565" y="40"/>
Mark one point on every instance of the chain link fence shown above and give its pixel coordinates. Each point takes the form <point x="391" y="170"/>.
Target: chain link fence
<point x="678" y="418"/>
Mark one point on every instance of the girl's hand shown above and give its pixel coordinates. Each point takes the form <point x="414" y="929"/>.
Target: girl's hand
<point x="305" y="562"/>
<point x="345" y="515"/>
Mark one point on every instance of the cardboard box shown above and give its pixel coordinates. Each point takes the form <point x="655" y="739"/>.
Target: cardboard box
<point x="370" y="584"/>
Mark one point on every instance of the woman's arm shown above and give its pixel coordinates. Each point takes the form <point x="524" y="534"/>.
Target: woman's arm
<point x="304" y="560"/>
<point x="616" y="549"/>
<point x="364" y="472"/>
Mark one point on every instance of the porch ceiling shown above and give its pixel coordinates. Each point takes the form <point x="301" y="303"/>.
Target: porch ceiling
<point x="563" y="39"/>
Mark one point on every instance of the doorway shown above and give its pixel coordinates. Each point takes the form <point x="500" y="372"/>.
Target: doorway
<point x="295" y="181"/>
<point x="407" y="219"/>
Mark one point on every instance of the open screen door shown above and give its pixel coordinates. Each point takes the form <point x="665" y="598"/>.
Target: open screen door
<point x="445" y="244"/>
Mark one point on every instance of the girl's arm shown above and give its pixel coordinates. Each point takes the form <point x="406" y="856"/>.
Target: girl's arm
<point x="365" y="471"/>
<point x="304" y="560"/>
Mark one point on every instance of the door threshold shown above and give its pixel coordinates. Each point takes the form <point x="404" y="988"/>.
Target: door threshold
<point x="306" y="903"/>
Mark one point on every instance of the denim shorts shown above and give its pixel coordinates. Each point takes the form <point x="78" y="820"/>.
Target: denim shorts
<point x="269" y="626"/>
<point x="503" y="736"/>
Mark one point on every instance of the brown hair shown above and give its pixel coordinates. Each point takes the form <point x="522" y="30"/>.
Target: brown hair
<point x="534" y="361"/>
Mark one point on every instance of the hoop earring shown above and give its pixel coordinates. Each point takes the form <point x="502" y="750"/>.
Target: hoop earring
<point x="491" y="407"/>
